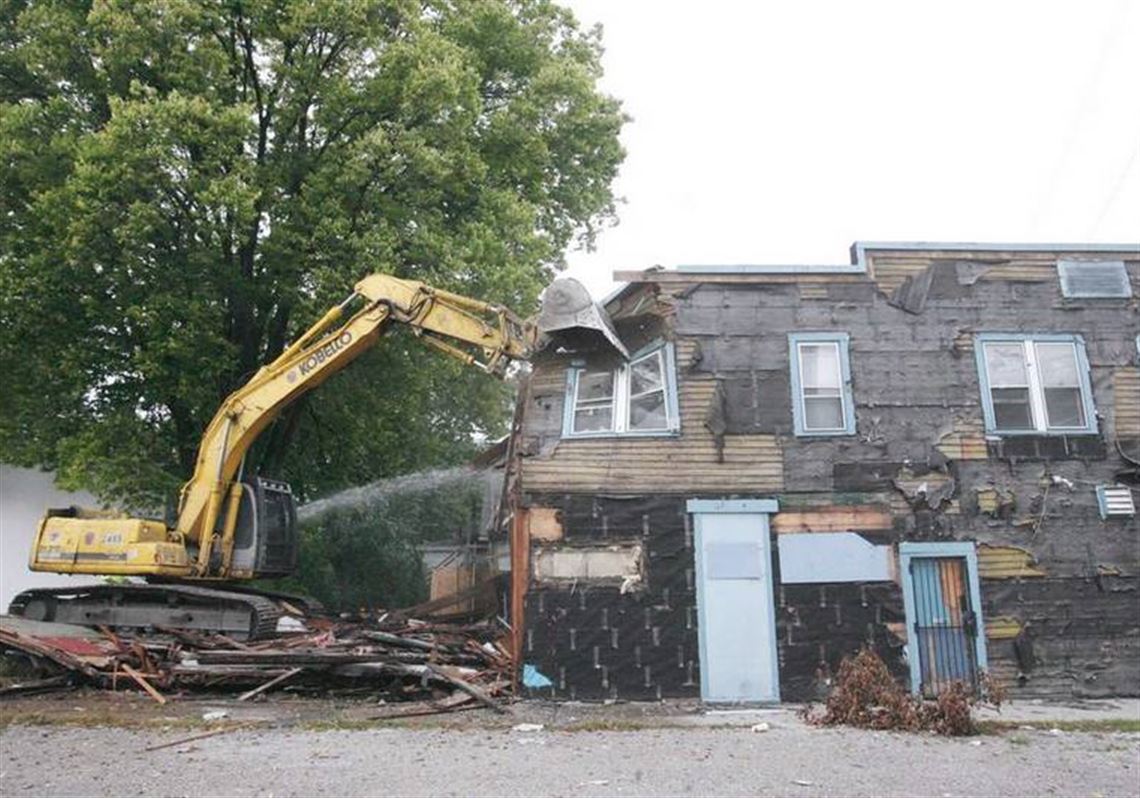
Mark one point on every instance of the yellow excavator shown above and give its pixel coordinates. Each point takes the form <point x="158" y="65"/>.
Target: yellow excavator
<point x="231" y="526"/>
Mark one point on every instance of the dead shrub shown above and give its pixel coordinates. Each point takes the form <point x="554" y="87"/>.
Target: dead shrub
<point x="867" y="696"/>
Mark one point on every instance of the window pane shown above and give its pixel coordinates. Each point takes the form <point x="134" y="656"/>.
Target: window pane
<point x="819" y="365"/>
<point x="648" y="411"/>
<point x="1064" y="408"/>
<point x="645" y="374"/>
<point x="1005" y="364"/>
<point x="594" y="419"/>
<point x="594" y="385"/>
<point x="1058" y="365"/>
<point x="823" y="413"/>
<point x="1011" y="408"/>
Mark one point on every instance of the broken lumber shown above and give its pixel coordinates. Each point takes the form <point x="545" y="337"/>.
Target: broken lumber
<point x="466" y="687"/>
<point x="195" y="737"/>
<point x="276" y="680"/>
<point x="143" y="683"/>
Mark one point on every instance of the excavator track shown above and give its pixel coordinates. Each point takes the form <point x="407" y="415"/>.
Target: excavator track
<point x="240" y="615"/>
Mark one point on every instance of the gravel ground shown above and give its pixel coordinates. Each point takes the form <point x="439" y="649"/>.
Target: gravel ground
<point x="788" y="759"/>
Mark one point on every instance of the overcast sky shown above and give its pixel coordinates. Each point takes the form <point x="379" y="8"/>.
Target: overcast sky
<point x="781" y="132"/>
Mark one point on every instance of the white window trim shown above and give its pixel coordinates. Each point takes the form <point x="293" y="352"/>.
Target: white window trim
<point x="841" y="341"/>
<point x="1033" y="379"/>
<point x="621" y="397"/>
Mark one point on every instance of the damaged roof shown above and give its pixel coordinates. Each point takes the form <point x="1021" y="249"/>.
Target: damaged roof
<point x="862" y="253"/>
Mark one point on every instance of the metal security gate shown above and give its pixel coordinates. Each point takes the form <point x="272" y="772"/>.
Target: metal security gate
<point x="945" y="643"/>
<point x="945" y="626"/>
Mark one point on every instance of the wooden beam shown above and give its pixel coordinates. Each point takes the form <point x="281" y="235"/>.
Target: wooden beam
<point x="833" y="519"/>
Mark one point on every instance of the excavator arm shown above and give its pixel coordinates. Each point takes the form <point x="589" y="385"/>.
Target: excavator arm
<point x="478" y="333"/>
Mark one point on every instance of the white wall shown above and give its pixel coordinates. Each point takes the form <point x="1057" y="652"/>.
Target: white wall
<point x="24" y="495"/>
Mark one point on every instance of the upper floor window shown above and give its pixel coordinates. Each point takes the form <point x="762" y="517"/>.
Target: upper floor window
<point x="635" y="398"/>
<point x="1035" y="384"/>
<point x="1093" y="279"/>
<point x="821" y="384"/>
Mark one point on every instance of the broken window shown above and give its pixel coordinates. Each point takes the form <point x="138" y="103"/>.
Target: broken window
<point x="1035" y="384"/>
<point x="639" y="397"/>
<point x="821" y="384"/>
<point x="594" y="401"/>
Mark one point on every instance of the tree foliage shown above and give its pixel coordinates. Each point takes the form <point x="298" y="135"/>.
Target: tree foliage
<point x="186" y="184"/>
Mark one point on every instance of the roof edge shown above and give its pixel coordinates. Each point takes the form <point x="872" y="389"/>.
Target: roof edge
<point x="860" y="249"/>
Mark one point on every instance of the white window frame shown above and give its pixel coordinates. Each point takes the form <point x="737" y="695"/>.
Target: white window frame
<point x="1037" y="410"/>
<point x="841" y="341"/>
<point x="622" y="397"/>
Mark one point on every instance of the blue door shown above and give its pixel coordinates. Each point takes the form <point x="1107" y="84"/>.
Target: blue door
<point x="945" y="625"/>
<point x="736" y="617"/>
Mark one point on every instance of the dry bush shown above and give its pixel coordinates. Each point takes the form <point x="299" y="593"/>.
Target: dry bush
<point x="867" y="696"/>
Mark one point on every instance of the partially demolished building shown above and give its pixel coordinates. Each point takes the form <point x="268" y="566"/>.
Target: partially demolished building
<point x="932" y="450"/>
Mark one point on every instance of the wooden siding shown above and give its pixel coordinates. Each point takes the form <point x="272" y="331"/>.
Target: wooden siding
<point x="966" y="442"/>
<point x="891" y="270"/>
<point x="686" y="463"/>
<point x="1003" y="627"/>
<point x="833" y="519"/>
<point x="1126" y="396"/>
<point x="1006" y="562"/>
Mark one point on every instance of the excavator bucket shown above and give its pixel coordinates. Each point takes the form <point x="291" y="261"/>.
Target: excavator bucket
<point x="571" y="318"/>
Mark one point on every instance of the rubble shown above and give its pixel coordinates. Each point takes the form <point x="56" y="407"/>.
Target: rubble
<point x="423" y="666"/>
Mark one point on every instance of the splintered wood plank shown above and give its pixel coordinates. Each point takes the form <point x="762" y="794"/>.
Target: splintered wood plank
<point x="144" y="684"/>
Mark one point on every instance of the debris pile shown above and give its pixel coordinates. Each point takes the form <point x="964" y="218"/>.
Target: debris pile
<point x="867" y="696"/>
<point x="435" y="666"/>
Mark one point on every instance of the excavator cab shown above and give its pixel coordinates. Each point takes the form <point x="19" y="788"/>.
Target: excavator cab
<point x="266" y="539"/>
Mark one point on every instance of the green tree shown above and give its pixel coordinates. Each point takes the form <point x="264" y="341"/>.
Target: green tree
<point x="186" y="184"/>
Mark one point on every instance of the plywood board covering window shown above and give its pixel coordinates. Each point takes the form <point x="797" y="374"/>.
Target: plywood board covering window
<point x="1035" y="384"/>
<point x="1107" y="279"/>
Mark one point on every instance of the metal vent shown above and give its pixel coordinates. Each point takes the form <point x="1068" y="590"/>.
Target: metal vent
<point x="1094" y="279"/>
<point x="1115" y="501"/>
